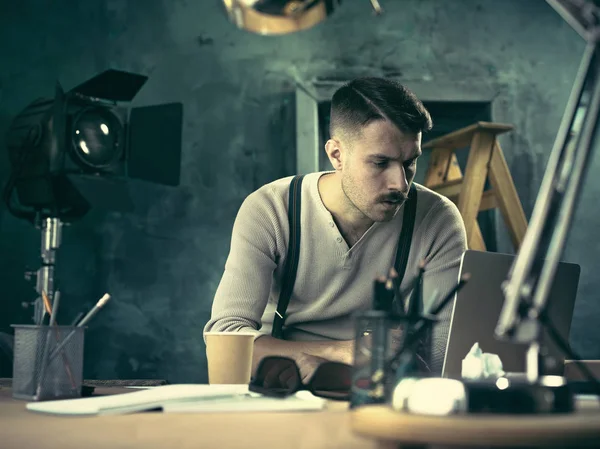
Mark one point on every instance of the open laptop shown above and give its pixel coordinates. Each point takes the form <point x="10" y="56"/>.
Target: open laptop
<point x="477" y="310"/>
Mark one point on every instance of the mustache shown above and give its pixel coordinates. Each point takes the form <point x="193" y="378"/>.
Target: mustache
<point x="396" y="197"/>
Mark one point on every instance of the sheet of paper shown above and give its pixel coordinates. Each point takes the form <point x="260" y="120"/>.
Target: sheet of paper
<point x="138" y="400"/>
<point x="301" y="401"/>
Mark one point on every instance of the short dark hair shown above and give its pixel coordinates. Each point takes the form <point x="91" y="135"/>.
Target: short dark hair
<point x="363" y="100"/>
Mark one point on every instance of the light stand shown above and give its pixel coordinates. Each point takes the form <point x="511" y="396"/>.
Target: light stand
<point x="527" y="287"/>
<point x="77" y="151"/>
<point x="51" y="233"/>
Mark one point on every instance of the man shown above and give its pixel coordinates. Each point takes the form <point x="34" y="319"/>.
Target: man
<point x="350" y="223"/>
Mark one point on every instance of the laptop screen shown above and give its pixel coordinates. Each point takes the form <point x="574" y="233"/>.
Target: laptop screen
<point x="478" y="305"/>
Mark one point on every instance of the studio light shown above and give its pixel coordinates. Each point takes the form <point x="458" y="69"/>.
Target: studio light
<point x="78" y="150"/>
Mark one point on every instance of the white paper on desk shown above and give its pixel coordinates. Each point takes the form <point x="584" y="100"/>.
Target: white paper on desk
<point x="301" y="401"/>
<point x="137" y="401"/>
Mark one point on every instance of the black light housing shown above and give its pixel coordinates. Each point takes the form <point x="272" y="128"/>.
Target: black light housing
<point x="76" y="150"/>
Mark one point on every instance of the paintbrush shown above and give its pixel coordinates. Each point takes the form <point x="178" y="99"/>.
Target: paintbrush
<point x="382" y="296"/>
<point x="427" y="321"/>
<point x="402" y="295"/>
<point x="416" y="300"/>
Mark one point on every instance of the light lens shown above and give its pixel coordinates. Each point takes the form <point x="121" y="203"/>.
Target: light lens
<point x="97" y="137"/>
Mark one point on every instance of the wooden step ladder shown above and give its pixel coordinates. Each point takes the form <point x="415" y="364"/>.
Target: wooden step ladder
<point x="467" y="192"/>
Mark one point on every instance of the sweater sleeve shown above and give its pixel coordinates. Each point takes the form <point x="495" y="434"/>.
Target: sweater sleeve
<point x="446" y="246"/>
<point x="244" y="289"/>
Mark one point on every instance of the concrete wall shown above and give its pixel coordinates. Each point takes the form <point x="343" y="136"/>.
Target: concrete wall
<point x="163" y="262"/>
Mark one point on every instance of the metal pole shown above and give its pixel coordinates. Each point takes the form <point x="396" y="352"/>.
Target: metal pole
<point x="531" y="277"/>
<point x="51" y="235"/>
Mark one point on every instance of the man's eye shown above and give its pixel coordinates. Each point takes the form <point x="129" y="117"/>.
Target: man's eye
<point x="380" y="164"/>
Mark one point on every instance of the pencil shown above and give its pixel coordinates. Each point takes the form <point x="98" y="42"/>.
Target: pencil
<point x="101" y="302"/>
<point x="47" y="305"/>
<point x="53" y="312"/>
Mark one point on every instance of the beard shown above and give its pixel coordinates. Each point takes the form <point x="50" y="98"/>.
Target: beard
<point x="383" y="208"/>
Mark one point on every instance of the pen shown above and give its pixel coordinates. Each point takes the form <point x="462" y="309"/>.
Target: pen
<point x="101" y="302"/>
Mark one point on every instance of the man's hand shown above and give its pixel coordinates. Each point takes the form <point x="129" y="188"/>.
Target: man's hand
<point x="308" y="365"/>
<point x="288" y="374"/>
<point x="281" y="375"/>
<point x="311" y="351"/>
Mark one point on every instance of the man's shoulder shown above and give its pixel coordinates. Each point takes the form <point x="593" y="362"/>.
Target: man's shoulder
<point x="439" y="220"/>
<point x="437" y="210"/>
<point x="267" y="206"/>
<point x="277" y="191"/>
<point x="428" y="199"/>
<point x="277" y="188"/>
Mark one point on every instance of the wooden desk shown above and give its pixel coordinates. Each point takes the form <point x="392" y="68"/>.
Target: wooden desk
<point x="21" y="429"/>
<point x="389" y="427"/>
<point x="331" y="428"/>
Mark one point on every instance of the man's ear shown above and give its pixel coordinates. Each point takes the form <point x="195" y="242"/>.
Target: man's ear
<point x="334" y="153"/>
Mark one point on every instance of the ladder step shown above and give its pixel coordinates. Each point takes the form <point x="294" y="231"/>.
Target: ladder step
<point x="463" y="137"/>
<point x="485" y="162"/>
<point x="451" y="190"/>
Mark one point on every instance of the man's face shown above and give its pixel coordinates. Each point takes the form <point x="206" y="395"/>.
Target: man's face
<point x="379" y="168"/>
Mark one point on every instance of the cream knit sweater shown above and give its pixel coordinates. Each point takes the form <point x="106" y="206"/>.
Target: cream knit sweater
<point x="333" y="281"/>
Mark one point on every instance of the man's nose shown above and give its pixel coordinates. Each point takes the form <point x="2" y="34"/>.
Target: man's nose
<point x="397" y="179"/>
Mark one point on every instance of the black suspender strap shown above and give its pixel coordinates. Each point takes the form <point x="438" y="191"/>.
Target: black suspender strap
<point x="408" y="224"/>
<point x="293" y="253"/>
<point x="405" y="239"/>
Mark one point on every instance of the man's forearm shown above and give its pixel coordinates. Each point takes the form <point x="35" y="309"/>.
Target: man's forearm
<point x="335" y="351"/>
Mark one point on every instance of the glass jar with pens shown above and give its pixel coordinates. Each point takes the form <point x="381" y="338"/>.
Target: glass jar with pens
<point x="377" y="338"/>
<point x="393" y="340"/>
<point x="48" y="359"/>
<point x="379" y="334"/>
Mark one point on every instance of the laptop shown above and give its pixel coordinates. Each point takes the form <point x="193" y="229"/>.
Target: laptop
<point x="478" y="305"/>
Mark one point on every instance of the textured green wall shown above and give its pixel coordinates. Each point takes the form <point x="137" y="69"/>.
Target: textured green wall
<point x="163" y="262"/>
